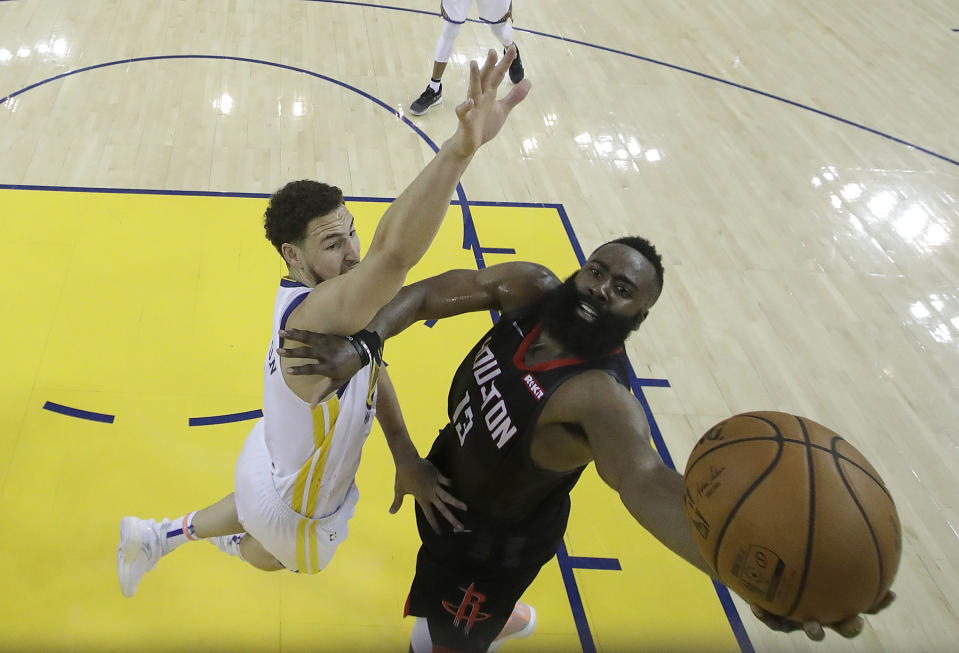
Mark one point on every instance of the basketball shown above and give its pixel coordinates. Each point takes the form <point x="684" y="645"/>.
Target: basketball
<point x="792" y="517"/>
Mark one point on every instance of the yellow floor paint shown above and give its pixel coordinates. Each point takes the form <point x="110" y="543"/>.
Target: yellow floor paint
<point x="156" y="309"/>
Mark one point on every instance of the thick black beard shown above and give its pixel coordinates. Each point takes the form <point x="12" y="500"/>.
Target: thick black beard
<point x="557" y="312"/>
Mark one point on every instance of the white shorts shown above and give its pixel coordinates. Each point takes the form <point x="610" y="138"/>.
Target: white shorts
<point x="300" y="543"/>
<point x="490" y="11"/>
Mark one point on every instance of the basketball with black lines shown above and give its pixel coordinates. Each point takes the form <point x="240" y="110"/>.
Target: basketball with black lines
<point x="792" y="517"/>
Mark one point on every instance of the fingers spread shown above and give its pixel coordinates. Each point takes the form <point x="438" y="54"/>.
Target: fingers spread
<point x="475" y="86"/>
<point x="295" y="334"/>
<point x="430" y="517"/>
<point x="295" y="352"/>
<point x="850" y="627"/>
<point x="464" y="108"/>
<point x="516" y="94"/>
<point x="447" y="515"/>
<point x="774" y="622"/>
<point x="449" y="499"/>
<point x="883" y="603"/>
<point x="489" y="69"/>
<point x="397" y="502"/>
<point x="304" y="369"/>
<point x="814" y="631"/>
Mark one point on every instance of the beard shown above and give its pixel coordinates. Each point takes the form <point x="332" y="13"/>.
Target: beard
<point x="584" y="339"/>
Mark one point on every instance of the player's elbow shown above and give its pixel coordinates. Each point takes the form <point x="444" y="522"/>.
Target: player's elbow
<point x="541" y="277"/>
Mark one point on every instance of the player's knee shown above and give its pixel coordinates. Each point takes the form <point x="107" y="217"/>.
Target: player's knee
<point x="254" y="553"/>
<point x="444" y="46"/>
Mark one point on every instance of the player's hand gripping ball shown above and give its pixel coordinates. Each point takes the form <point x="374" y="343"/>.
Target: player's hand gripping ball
<point x="792" y="517"/>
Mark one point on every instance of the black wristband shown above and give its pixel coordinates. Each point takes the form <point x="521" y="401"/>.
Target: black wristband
<point x="367" y="345"/>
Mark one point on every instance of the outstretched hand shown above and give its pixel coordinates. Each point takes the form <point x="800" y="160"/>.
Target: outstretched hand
<point x="481" y="115"/>
<point x="421" y="479"/>
<point x="814" y="630"/>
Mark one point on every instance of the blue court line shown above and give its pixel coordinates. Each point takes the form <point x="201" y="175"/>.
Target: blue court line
<point x="76" y="412"/>
<point x="690" y="71"/>
<point x="653" y="383"/>
<point x="575" y="600"/>
<point x="225" y="419"/>
<point x="497" y="250"/>
<point x="603" y="564"/>
<point x="638" y="385"/>
<point x="133" y="191"/>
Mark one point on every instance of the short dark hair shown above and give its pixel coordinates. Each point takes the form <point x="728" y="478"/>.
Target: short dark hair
<point x="292" y="207"/>
<point x="647" y="249"/>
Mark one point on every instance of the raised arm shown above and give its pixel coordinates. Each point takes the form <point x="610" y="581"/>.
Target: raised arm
<point x="344" y="304"/>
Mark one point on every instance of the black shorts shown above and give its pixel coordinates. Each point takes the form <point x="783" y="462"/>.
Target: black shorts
<point x="466" y="606"/>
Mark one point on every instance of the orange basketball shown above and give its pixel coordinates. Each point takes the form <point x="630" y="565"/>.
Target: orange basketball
<point x="792" y="517"/>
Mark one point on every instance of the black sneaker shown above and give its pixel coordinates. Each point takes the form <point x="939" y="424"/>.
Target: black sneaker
<point x="516" y="72"/>
<point x="427" y="98"/>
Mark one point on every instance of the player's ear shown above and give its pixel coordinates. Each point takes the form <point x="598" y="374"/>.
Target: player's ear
<point x="291" y="254"/>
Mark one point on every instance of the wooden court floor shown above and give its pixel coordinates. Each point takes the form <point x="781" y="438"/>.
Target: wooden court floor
<point x="797" y="166"/>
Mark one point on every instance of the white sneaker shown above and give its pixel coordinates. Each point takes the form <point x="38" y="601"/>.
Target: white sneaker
<point x="520" y="624"/>
<point x="141" y="546"/>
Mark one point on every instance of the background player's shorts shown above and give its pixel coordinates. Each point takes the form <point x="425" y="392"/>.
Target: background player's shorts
<point x="490" y="11"/>
<point x="466" y="606"/>
<point x="298" y="542"/>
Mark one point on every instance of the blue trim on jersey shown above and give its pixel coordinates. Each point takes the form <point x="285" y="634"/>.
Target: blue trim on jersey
<point x="289" y="309"/>
<point x="290" y="283"/>
<point x="170" y="534"/>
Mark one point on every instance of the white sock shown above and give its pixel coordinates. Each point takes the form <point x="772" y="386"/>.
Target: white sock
<point x="228" y="544"/>
<point x="435" y="85"/>
<point x="178" y="531"/>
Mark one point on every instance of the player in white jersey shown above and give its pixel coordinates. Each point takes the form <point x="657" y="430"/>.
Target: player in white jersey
<point x="294" y="491"/>
<point x="498" y="14"/>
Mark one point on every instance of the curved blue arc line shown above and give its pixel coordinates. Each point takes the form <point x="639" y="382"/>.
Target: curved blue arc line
<point x="690" y="71"/>
<point x="160" y="57"/>
<point x="225" y="419"/>
<point x="76" y="412"/>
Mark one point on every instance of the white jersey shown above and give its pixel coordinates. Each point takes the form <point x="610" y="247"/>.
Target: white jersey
<point x="314" y="453"/>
